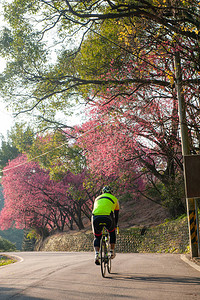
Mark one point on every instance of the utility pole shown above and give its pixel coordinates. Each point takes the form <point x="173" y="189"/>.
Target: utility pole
<point x="191" y="205"/>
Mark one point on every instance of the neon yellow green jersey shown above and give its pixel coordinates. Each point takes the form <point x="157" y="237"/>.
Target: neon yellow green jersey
<point x="105" y="204"/>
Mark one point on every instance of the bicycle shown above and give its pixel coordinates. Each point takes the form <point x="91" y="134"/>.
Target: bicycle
<point x="105" y="257"/>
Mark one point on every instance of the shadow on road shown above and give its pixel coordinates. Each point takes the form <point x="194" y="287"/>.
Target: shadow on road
<point x="9" y="293"/>
<point x="160" y="279"/>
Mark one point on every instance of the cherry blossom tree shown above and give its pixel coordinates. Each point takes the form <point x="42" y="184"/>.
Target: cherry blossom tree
<point x="33" y="200"/>
<point x="134" y="131"/>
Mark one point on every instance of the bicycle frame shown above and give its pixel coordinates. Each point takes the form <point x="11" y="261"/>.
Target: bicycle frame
<point x="105" y="252"/>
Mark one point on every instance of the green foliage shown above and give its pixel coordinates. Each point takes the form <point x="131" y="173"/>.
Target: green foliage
<point x="61" y="155"/>
<point x="14" y="236"/>
<point x="8" y="151"/>
<point x="47" y="86"/>
<point x="19" y="140"/>
<point x="22" y="137"/>
<point x="25" y="54"/>
<point x="171" y="195"/>
<point x="32" y="234"/>
<point x="28" y="242"/>
<point x="23" y="40"/>
<point x="4" y="260"/>
<point x="27" y="68"/>
<point x="99" y="49"/>
<point x="6" y="41"/>
<point x="6" y="245"/>
<point x="35" y="234"/>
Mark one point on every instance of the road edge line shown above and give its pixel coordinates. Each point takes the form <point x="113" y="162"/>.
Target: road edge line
<point x="192" y="264"/>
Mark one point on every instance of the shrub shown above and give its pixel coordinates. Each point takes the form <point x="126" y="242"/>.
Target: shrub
<point x="6" y="245"/>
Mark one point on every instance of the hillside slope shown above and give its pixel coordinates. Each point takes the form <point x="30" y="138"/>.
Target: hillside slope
<point x="141" y="212"/>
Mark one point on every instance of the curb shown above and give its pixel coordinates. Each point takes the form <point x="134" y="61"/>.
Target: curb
<point x="189" y="262"/>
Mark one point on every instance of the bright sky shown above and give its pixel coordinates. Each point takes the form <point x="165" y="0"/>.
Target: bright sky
<point x="6" y="119"/>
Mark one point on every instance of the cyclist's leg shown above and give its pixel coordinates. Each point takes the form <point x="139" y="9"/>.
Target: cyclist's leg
<point x="97" y="230"/>
<point x="112" y="242"/>
<point x="112" y="238"/>
<point x="97" y="227"/>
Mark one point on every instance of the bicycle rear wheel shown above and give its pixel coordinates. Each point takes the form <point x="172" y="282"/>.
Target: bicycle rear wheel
<point x="103" y="257"/>
<point x="108" y="257"/>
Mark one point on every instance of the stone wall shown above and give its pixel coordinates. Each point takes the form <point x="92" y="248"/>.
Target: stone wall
<point x="171" y="237"/>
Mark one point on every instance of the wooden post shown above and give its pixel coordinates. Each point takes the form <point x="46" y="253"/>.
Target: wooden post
<point x="191" y="208"/>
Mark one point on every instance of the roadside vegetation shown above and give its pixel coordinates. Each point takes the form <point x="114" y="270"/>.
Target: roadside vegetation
<point x="6" y="245"/>
<point x="5" y="260"/>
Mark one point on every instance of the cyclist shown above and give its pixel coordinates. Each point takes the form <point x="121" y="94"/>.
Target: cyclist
<point x="105" y="210"/>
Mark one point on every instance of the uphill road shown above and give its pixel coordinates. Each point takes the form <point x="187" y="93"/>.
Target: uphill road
<point x="70" y="275"/>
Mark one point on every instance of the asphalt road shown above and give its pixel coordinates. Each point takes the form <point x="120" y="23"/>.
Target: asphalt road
<point x="64" y="275"/>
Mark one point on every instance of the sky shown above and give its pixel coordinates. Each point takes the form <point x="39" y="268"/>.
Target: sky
<point x="6" y="119"/>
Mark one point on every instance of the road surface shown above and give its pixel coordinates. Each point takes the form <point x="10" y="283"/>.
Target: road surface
<point x="64" y="275"/>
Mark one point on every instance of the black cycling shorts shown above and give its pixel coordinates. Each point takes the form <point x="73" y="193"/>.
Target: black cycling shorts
<point x="97" y="226"/>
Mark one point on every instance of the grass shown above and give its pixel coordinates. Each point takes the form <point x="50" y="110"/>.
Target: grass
<point x="5" y="260"/>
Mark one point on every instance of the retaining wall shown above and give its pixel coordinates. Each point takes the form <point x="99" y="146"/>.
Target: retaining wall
<point x="171" y="237"/>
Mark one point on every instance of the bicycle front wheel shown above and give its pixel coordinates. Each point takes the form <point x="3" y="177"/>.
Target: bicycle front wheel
<point x="103" y="257"/>
<point x="109" y="264"/>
